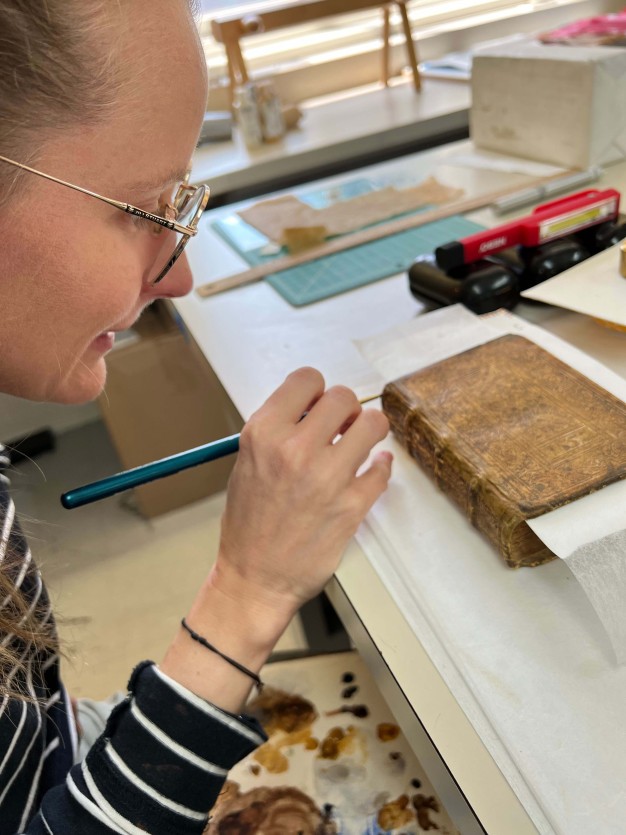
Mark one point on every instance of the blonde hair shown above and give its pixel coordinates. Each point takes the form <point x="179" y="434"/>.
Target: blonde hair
<point x="31" y="631"/>
<point x="54" y="72"/>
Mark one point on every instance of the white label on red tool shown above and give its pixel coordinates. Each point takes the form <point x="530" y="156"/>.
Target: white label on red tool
<point x="496" y="243"/>
<point x="572" y="221"/>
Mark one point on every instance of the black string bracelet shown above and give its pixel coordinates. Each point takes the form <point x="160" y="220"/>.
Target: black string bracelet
<point x="255" y="678"/>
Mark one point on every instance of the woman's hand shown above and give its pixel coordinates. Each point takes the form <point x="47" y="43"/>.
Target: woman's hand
<point x="294" y="501"/>
<point x="294" y="498"/>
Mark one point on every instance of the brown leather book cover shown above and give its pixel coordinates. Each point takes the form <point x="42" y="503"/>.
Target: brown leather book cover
<point x="510" y="433"/>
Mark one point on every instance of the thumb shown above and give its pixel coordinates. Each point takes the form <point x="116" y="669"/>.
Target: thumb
<point x="373" y="482"/>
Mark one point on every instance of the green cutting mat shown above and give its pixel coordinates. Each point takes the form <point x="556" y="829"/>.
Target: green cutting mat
<point x="342" y="271"/>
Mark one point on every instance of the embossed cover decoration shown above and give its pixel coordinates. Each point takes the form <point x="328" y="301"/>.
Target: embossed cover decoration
<point x="510" y="433"/>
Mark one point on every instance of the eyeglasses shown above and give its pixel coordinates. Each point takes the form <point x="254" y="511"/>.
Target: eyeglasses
<point x="176" y="226"/>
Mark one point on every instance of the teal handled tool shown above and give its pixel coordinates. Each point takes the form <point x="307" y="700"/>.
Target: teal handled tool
<point x="149" y="472"/>
<point x="106" y="487"/>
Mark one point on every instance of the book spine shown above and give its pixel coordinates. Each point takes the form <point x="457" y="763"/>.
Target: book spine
<point x="432" y="448"/>
<point x="441" y="456"/>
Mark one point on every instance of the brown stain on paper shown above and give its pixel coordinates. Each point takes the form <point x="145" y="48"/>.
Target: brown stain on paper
<point x="396" y="813"/>
<point x="423" y="807"/>
<point x="340" y="741"/>
<point x="360" y="711"/>
<point x="387" y="731"/>
<point x="280" y="711"/>
<point x="287" y="719"/>
<point x="271" y="758"/>
<point x="268" y="811"/>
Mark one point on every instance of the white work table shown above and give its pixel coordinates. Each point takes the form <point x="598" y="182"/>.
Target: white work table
<point x="252" y="338"/>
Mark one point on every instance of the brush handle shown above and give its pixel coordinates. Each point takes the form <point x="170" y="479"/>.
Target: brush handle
<point x="149" y="472"/>
<point x="157" y="469"/>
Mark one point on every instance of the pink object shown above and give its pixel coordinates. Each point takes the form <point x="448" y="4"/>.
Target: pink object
<point x="604" y="30"/>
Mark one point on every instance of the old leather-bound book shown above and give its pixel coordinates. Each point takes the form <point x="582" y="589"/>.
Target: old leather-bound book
<point x="509" y="432"/>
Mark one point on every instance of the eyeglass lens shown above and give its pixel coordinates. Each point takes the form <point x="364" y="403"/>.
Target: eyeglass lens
<point x="189" y="210"/>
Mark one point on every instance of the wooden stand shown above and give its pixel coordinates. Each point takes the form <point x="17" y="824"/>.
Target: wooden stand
<point x="229" y="30"/>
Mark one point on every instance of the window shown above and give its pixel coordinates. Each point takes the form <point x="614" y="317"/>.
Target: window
<point x="214" y="6"/>
<point x="343" y="51"/>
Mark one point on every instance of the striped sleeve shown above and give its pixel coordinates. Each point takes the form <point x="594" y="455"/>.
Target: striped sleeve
<point x="158" y="767"/>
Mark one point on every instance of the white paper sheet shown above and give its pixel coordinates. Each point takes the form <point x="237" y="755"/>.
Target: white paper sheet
<point x="595" y="552"/>
<point x="594" y="287"/>
<point x="423" y="341"/>
<point x="523" y="652"/>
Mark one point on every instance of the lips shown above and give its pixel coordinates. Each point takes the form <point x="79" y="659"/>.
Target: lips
<point x="121" y="328"/>
<point x="128" y="323"/>
<point x="105" y="341"/>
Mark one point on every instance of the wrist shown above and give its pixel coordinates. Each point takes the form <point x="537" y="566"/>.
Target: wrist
<point x="266" y="606"/>
<point x="200" y="639"/>
<point x="243" y="632"/>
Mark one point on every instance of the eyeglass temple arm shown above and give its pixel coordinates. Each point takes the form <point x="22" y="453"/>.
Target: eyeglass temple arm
<point x="125" y="207"/>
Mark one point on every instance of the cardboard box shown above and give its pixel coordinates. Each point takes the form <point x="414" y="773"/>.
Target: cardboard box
<point x="162" y="397"/>
<point x="557" y="104"/>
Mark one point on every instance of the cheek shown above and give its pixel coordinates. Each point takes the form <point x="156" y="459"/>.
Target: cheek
<point x="57" y="297"/>
<point x="90" y="289"/>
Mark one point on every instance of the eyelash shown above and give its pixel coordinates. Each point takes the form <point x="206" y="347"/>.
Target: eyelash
<point x="144" y="223"/>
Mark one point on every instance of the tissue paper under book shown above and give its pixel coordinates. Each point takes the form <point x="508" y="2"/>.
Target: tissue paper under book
<point x="510" y="433"/>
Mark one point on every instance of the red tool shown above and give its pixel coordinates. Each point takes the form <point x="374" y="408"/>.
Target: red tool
<point x="545" y="223"/>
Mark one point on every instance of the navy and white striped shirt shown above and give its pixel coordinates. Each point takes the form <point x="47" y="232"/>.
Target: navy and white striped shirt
<point x="157" y="768"/>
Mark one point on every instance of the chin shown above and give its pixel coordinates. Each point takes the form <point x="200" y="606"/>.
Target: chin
<point x="82" y="385"/>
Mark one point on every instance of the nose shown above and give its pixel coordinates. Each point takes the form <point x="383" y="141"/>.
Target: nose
<point x="177" y="282"/>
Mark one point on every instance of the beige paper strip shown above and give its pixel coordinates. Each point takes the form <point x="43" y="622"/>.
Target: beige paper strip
<point x="272" y="217"/>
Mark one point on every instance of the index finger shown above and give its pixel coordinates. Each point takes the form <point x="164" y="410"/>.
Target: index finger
<point x="300" y="391"/>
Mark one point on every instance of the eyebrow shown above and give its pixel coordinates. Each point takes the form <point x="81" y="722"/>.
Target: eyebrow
<point x="154" y="183"/>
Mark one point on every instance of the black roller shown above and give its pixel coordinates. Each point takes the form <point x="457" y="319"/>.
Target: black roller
<point x="482" y="287"/>
<point x="427" y="280"/>
<point x="601" y="236"/>
<point x="550" y="259"/>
